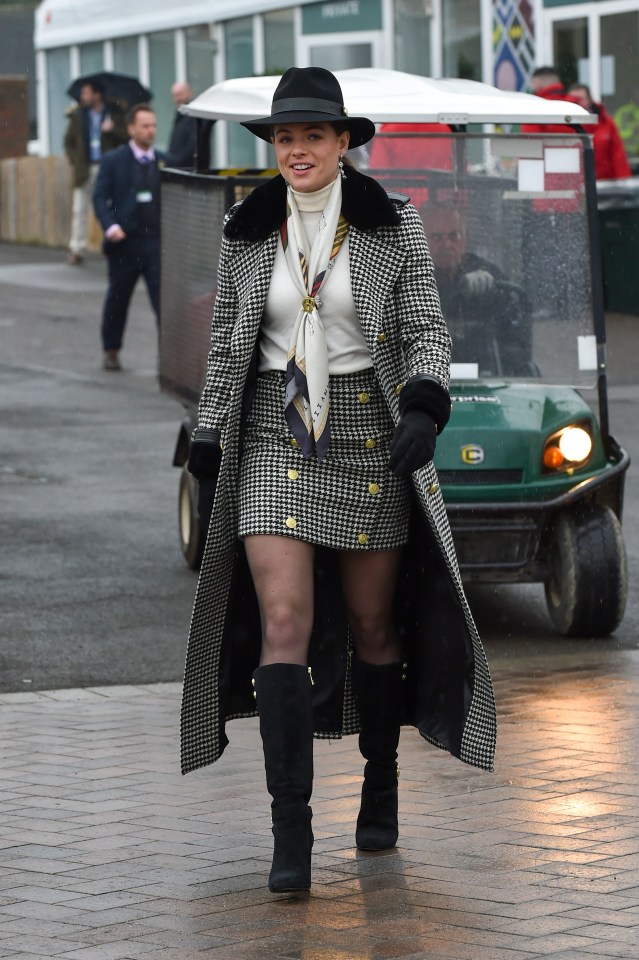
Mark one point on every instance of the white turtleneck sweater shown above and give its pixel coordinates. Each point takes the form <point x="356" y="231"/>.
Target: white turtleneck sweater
<point x="347" y="348"/>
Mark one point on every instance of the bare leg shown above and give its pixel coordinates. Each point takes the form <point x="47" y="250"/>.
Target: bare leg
<point x="369" y="579"/>
<point x="282" y="572"/>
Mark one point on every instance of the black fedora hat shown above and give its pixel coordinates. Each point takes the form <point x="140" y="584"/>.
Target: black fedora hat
<point x="307" y="95"/>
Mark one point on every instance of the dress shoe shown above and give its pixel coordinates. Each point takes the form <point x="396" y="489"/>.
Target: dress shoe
<point x="75" y="259"/>
<point x="111" y="360"/>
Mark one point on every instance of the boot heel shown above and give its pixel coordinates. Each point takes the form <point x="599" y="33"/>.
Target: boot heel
<point x="377" y="826"/>
<point x="293" y="842"/>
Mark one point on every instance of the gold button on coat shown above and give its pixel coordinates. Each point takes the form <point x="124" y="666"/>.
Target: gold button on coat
<point x="291" y="523"/>
<point x="434" y="487"/>
<point x="362" y="538"/>
<point x="294" y="442"/>
<point x="398" y="388"/>
<point x="363" y="397"/>
<point x="370" y="444"/>
<point x="292" y="474"/>
<point x="381" y="337"/>
<point x="373" y="488"/>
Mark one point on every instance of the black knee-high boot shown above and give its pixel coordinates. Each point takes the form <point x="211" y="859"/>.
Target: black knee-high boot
<point x="377" y="691"/>
<point x="283" y="694"/>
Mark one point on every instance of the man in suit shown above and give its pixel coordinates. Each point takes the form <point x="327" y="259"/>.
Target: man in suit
<point x="182" y="144"/>
<point x="127" y="204"/>
<point x="94" y="128"/>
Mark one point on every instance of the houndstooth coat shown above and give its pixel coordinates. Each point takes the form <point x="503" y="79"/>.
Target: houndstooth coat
<point x="448" y="691"/>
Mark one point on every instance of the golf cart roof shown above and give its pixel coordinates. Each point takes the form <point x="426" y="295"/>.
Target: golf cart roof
<point x="394" y="97"/>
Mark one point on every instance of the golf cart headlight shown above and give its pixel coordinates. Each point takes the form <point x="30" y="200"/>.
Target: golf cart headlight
<point x="567" y="448"/>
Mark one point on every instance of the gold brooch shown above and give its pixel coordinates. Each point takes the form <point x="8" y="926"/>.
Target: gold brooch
<point x="308" y="304"/>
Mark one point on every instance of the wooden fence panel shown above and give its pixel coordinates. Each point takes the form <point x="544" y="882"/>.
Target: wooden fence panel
<point x="35" y="202"/>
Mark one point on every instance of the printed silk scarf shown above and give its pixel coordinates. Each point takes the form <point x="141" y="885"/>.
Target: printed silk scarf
<point x="306" y="401"/>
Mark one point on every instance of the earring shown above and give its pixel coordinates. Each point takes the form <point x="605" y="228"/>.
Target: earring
<point x="341" y="168"/>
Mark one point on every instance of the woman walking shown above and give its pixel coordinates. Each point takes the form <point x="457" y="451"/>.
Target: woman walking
<point x="329" y="598"/>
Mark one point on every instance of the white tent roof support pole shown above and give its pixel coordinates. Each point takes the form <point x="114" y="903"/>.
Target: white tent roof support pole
<point x="180" y="56"/>
<point x="436" y="41"/>
<point x="594" y="55"/>
<point x="259" y="60"/>
<point x="543" y="35"/>
<point x="74" y="61"/>
<point x="109" y="56"/>
<point x="42" y="97"/>
<point x="486" y="28"/>
<point x="143" y="60"/>
<point x="297" y="36"/>
<point x="388" y="35"/>
<point x="221" y="140"/>
<point x="259" y="66"/>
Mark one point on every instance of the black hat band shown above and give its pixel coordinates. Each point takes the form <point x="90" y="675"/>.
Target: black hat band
<point x="308" y="103"/>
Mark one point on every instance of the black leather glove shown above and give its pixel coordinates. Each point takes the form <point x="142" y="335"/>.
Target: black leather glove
<point x="205" y="457"/>
<point x="205" y="453"/>
<point x="413" y="443"/>
<point x="424" y="410"/>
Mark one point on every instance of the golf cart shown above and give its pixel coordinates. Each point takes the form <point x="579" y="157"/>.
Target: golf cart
<point x="531" y="475"/>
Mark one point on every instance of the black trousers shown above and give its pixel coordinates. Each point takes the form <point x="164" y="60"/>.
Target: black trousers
<point x="127" y="261"/>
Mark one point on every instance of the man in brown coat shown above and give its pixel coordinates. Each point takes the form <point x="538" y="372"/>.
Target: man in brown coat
<point x="94" y="128"/>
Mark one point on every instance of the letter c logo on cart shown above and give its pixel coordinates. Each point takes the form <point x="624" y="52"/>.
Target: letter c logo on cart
<point x="472" y="453"/>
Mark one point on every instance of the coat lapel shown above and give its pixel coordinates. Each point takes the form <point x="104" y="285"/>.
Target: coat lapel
<point x="253" y="267"/>
<point x="372" y="286"/>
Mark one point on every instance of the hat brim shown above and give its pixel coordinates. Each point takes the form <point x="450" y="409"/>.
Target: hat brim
<point x="361" y="129"/>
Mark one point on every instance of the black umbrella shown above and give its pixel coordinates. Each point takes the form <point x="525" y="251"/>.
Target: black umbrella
<point x="117" y="86"/>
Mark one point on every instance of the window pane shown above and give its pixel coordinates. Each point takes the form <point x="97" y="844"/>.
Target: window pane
<point x="91" y="58"/>
<point x="462" y="39"/>
<point x="619" y="80"/>
<point x="58" y="79"/>
<point x="162" y="70"/>
<point x="199" y="65"/>
<point x="199" y="58"/>
<point x="125" y="56"/>
<point x="571" y="51"/>
<point x="279" y="41"/>
<point x="412" y="37"/>
<point x="238" y="41"/>
<point x="238" y="38"/>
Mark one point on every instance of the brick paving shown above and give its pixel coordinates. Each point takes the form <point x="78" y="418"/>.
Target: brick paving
<point x="107" y="853"/>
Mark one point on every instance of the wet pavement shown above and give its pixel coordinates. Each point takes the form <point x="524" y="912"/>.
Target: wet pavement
<point x="108" y="853"/>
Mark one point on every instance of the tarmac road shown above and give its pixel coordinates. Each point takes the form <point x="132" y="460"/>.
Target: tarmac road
<point x="93" y="588"/>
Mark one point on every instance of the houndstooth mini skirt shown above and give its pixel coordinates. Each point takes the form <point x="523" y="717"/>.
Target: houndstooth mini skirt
<point x="349" y="501"/>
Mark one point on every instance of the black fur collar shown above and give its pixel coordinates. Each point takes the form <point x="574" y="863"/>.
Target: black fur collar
<point x="365" y="204"/>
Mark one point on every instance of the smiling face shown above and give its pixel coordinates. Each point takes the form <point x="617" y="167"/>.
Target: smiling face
<point x="308" y="154"/>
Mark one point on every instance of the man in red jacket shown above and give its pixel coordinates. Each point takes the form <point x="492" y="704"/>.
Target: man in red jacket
<point x="611" y="162"/>
<point x="545" y="83"/>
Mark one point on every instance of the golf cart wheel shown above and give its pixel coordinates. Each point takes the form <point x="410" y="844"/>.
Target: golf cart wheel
<point x="188" y="521"/>
<point x="588" y="583"/>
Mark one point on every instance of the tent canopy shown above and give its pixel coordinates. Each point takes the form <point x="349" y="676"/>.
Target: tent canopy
<point x="392" y="96"/>
<point x="59" y="23"/>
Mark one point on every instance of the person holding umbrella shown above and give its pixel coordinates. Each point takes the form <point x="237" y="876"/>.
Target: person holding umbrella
<point x="94" y="128"/>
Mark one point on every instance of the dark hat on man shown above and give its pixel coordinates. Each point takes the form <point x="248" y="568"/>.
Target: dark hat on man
<point x="310" y="95"/>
